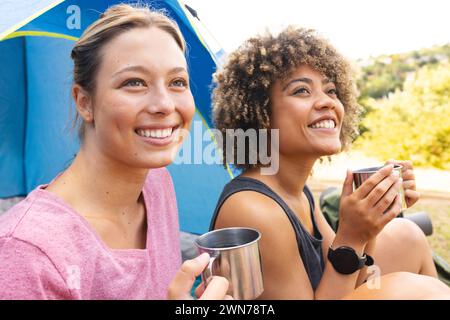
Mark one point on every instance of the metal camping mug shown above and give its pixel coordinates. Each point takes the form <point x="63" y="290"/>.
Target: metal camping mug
<point x="234" y="254"/>
<point x="361" y="175"/>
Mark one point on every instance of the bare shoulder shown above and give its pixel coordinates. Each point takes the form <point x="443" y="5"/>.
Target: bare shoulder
<point x="284" y="272"/>
<point x="250" y="209"/>
<point x="255" y="210"/>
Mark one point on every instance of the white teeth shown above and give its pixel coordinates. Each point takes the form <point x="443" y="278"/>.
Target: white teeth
<point x="159" y="133"/>
<point x="328" y="124"/>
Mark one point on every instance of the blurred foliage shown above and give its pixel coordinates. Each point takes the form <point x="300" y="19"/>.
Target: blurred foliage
<point x="382" y="75"/>
<point x="413" y="122"/>
<point x="387" y="73"/>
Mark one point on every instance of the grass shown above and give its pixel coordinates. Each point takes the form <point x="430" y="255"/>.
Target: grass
<point x="439" y="212"/>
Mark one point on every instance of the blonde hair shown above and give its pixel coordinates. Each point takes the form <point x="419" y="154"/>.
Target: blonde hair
<point x="113" y="22"/>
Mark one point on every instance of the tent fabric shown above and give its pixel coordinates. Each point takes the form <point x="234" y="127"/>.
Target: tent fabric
<point x="36" y="111"/>
<point x="12" y="113"/>
<point x="48" y="116"/>
<point x="16" y="13"/>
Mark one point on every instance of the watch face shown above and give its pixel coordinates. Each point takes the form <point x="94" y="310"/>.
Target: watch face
<point x="345" y="260"/>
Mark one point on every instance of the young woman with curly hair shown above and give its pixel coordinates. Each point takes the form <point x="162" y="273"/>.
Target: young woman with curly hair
<point x="297" y="83"/>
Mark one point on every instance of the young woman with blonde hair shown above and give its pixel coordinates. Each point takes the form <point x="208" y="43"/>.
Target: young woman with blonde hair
<point x="107" y="227"/>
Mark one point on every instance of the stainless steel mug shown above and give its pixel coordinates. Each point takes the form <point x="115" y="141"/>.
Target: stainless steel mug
<point x="234" y="254"/>
<point x="361" y="175"/>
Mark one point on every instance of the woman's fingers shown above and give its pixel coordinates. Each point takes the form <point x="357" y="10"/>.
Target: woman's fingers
<point x="406" y="165"/>
<point x="367" y="187"/>
<point x="407" y="169"/>
<point x="386" y="203"/>
<point x="181" y="285"/>
<point x="378" y="193"/>
<point x="199" y="290"/>
<point x="411" y="197"/>
<point x="392" y="212"/>
<point x="409" y="181"/>
<point x="408" y="175"/>
<point x="347" y="188"/>
<point x="409" y="185"/>
<point x="216" y="290"/>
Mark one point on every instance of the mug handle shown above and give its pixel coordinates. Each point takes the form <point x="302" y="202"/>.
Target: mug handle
<point x="207" y="273"/>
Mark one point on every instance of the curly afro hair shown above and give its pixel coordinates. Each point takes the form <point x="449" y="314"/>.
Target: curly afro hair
<point x="241" y="98"/>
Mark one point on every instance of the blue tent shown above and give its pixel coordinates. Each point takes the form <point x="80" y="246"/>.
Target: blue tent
<point x="36" y="142"/>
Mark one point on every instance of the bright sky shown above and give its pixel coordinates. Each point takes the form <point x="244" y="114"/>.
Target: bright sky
<point x="358" y="28"/>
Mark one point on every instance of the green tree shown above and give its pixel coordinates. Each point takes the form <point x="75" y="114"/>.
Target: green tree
<point x="385" y="74"/>
<point x="413" y="123"/>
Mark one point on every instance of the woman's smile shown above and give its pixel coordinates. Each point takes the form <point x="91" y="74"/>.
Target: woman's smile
<point x="161" y="136"/>
<point x="325" y="124"/>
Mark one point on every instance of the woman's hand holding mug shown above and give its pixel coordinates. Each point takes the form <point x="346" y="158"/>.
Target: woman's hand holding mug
<point x="181" y="286"/>
<point x="409" y="181"/>
<point x="365" y="211"/>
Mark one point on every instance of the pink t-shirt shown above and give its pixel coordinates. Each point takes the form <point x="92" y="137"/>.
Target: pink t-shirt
<point x="49" y="251"/>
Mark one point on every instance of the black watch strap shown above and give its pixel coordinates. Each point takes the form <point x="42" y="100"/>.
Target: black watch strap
<point x="369" y="260"/>
<point x="345" y="260"/>
<point x="362" y="261"/>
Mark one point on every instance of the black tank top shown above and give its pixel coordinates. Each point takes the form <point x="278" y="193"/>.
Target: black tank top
<point x="310" y="247"/>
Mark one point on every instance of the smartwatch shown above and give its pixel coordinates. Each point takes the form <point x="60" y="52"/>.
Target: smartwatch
<point x="345" y="260"/>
